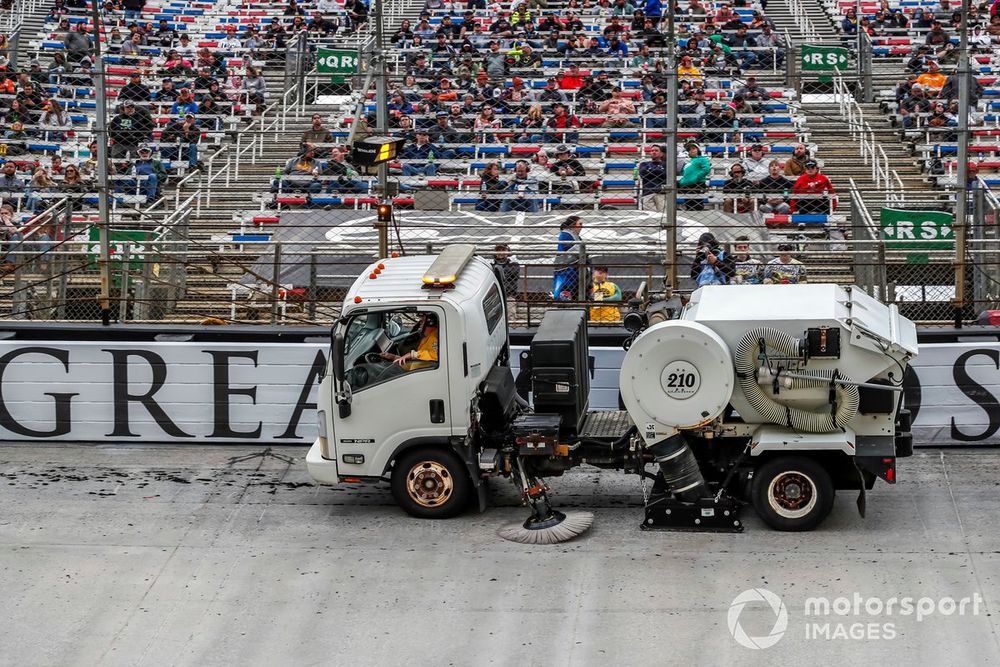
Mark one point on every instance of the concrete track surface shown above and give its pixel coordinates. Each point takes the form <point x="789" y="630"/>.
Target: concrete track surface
<point x="163" y="555"/>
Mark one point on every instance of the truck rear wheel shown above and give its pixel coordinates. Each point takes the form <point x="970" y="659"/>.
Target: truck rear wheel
<point x="430" y="483"/>
<point x="792" y="493"/>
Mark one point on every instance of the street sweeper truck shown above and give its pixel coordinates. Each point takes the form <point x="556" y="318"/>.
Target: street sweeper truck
<point x="774" y="396"/>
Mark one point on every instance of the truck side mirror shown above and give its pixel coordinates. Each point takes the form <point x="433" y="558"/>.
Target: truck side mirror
<point x="342" y="393"/>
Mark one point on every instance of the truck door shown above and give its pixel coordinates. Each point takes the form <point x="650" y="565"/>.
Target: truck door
<point x="396" y="366"/>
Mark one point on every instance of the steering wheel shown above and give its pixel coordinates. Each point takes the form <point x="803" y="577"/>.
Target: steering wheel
<point x="373" y="358"/>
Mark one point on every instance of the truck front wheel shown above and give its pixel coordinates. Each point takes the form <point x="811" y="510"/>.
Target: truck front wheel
<point x="792" y="493"/>
<point x="430" y="483"/>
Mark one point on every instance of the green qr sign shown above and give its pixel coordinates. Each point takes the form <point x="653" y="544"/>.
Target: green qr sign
<point x="339" y="63"/>
<point x="823" y="58"/>
<point x="924" y="230"/>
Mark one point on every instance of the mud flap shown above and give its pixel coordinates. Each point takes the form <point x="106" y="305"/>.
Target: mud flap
<point x="862" y="494"/>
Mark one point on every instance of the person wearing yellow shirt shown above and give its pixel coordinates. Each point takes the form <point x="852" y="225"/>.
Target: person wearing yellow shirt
<point x="687" y="70"/>
<point x="604" y="290"/>
<point x="425" y="355"/>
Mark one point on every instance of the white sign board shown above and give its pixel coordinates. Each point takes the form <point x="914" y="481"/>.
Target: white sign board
<point x="100" y="391"/>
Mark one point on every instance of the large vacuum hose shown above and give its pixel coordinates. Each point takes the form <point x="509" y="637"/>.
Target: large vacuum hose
<point x="679" y="468"/>
<point x="777" y="413"/>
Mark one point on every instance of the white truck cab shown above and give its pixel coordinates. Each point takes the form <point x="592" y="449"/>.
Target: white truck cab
<point x="385" y="406"/>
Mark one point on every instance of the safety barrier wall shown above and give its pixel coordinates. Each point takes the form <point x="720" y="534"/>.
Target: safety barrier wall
<point x="256" y="384"/>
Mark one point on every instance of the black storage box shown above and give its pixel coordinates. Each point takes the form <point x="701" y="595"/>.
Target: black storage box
<point x="560" y="376"/>
<point x="497" y="402"/>
<point x="536" y="434"/>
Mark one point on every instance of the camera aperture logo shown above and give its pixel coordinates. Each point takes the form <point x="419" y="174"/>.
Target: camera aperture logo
<point x="780" y="618"/>
<point x="857" y="617"/>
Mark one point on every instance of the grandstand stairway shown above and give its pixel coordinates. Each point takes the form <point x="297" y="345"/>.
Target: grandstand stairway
<point x="784" y="20"/>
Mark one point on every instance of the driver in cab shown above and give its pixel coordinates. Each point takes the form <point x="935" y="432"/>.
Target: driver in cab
<point x="426" y="352"/>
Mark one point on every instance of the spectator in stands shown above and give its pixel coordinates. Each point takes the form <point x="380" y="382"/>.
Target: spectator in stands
<point x="77" y="43"/>
<point x="133" y="126"/>
<point x="56" y="166"/>
<point x="775" y="188"/>
<point x="10" y="239"/>
<point x="30" y="99"/>
<point x="55" y="118"/>
<point x="254" y="89"/>
<point x="796" y="165"/>
<point x="562" y="125"/>
<point x="181" y="136"/>
<point x="133" y="8"/>
<point x="567" y="169"/>
<point x="653" y="178"/>
<point x="404" y="35"/>
<point x="541" y="170"/>
<point x="693" y="176"/>
<point x="36" y="75"/>
<point x="949" y="91"/>
<point x="711" y="265"/>
<point x="742" y="45"/>
<point x="185" y="49"/>
<point x="73" y="182"/>
<point x="618" y="109"/>
<point x="147" y="176"/>
<point x="747" y="269"/>
<point x="230" y="44"/>
<point x="849" y="25"/>
<point x="918" y="63"/>
<point x="10" y="183"/>
<point x="551" y="93"/>
<point x="135" y="89"/>
<point x="933" y="79"/>
<point x="443" y="133"/>
<point x="56" y="69"/>
<point x="316" y="134"/>
<point x="204" y="80"/>
<point x="571" y="79"/>
<point x="753" y="92"/>
<point x="296" y="171"/>
<point x="911" y="108"/>
<point x="184" y="104"/>
<point x="341" y="175"/>
<point x="16" y="113"/>
<point x="688" y="70"/>
<point x="491" y="186"/>
<point x="519" y="189"/>
<point x="16" y="139"/>
<point x="424" y="151"/>
<point x="818" y="186"/>
<point x="775" y="43"/>
<point x="569" y="248"/>
<point x="486" y="125"/>
<point x="740" y="185"/>
<point x="784" y="269"/>
<point x="603" y="290"/>
<point x="508" y="268"/>
<point x="756" y="164"/>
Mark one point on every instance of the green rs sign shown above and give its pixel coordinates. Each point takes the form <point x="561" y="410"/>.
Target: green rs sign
<point x="339" y="63"/>
<point x="823" y="58"/>
<point x="134" y="240"/>
<point x="924" y="230"/>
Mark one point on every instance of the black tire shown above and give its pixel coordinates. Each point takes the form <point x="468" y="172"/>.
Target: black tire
<point x="792" y="493"/>
<point x="431" y="483"/>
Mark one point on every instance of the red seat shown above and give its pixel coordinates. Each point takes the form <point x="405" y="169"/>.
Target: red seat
<point x="266" y="219"/>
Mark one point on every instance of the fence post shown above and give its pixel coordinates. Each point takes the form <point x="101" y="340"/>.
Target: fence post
<point x="123" y="283"/>
<point x="883" y="289"/>
<point x="64" y="262"/>
<point x="19" y="300"/>
<point x="312" y="285"/>
<point x="275" y="282"/>
<point x="581" y="277"/>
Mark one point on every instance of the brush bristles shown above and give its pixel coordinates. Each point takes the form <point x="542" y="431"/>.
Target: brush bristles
<point x="574" y="524"/>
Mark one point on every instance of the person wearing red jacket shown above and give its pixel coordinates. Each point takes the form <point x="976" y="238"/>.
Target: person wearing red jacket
<point x="813" y="183"/>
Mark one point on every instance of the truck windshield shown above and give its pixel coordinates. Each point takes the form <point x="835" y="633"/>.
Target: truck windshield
<point x="379" y="346"/>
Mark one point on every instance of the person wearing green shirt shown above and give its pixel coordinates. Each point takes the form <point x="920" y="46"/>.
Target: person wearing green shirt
<point x="694" y="176"/>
